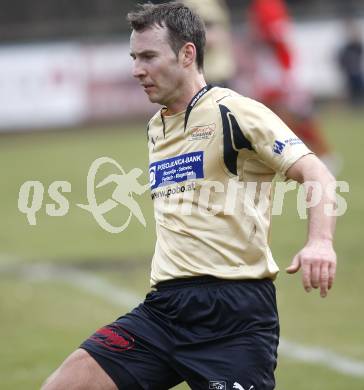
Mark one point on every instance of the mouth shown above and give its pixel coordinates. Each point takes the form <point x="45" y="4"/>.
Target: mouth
<point x="147" y="87"/>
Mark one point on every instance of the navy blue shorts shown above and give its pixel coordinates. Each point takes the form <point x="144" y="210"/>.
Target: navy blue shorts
<point x="211" y="333"/>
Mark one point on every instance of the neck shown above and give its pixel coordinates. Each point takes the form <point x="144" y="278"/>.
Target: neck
<point x="186" y="93"/>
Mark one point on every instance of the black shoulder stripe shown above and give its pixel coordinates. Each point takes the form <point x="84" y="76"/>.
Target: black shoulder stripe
<point x="234" y="139"/>
<point x="239" y="139"/>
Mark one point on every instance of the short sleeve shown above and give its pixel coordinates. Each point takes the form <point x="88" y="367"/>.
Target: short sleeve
<point x="274" y="142"/>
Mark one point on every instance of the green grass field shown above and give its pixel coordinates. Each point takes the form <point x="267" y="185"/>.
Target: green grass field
<point x="44" y="315"/>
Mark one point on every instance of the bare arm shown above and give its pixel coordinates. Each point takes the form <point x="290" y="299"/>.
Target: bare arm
<point x="317" y="258"/>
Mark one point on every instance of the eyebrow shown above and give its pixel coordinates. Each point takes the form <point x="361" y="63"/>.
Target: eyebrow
<point x="142" y="53"/>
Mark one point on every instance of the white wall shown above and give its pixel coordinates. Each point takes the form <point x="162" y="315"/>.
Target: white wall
<point x="317" y="45"/>
<point x="55" y="85"/>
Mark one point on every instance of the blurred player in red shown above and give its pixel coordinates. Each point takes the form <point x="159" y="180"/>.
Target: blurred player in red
<point x="275" y="84"/>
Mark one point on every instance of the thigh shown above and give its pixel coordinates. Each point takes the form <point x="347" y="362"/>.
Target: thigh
<point x="117" y="350"/>
<point x="79" y="372"/>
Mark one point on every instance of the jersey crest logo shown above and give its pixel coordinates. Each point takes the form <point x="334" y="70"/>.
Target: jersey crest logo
<point x="199" y="133"/>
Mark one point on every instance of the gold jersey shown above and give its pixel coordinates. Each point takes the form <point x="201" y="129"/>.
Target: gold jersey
<point x="211" y="171"/>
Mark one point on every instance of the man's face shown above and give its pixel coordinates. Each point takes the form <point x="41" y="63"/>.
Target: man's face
<point x="155" y="65"/>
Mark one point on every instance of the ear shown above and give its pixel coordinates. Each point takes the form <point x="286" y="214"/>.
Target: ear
<point x="188" y="54"/>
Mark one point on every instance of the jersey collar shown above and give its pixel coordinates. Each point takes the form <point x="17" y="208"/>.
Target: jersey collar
<point x="196" y="98"/>
<point x="194" y="101"/>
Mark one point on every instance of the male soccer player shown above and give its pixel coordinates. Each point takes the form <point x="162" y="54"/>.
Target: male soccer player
<point x="211" y="318"/>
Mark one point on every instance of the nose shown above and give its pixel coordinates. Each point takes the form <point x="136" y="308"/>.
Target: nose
<point x="138" y="70"/>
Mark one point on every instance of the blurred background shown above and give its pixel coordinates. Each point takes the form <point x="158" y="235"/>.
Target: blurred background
<point x="67" y="98"/>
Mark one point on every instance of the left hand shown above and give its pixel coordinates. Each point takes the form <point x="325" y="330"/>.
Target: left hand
<point x="318" y="262"/>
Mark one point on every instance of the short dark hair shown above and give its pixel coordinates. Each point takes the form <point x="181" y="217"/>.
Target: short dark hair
<point x="182" y="23"/>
